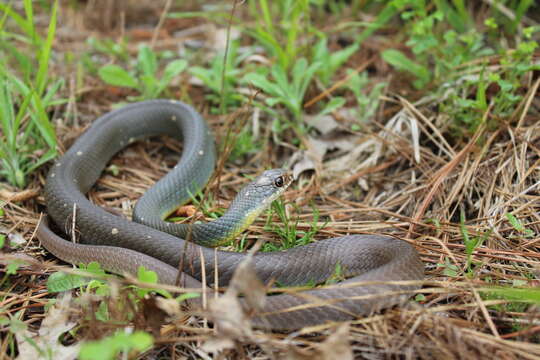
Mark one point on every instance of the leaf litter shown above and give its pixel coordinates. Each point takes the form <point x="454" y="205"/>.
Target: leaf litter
<point x="413" y="184"/>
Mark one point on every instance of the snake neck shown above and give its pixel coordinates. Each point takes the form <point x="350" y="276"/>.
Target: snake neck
<point x="220" y="231"/>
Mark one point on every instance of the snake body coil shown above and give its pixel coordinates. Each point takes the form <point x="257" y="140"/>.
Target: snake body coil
<point x="121" y="246"/>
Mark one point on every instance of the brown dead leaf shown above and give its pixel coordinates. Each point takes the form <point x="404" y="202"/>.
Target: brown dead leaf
<point x="155" y="317"/>
<point x="325" y="124"/>
<point x="227" y="311"/>
<point x="216" y="345"/>
<point x="246" y="282"/>
<point x="46" y="341"/>
<point x="186" y="211"/>
<point x="312" y="158"/>
<point x="170" y="306"/>
<point x="336" y="346"/>
<point x="228" y="316"/>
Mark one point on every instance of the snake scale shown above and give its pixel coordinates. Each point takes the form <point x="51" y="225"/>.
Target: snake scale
<point x="121" y="246"/>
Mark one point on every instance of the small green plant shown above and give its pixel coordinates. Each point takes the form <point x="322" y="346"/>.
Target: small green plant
<point x="244" y="144"/>
<point x="122" y="342"/>
<point x="106" y="46"/>
<point x="204" y="203"/>
<point x="144" y="77"/>
<point x="449" y="269"/>
<point x="215" y="74"/>
<point x="28" y="138"/>
<point x="280" y="89"/>
<point x="149" y="277"/>
<point x="368" y="103"/>
<point x="94" y="279"/>
<point x="471" y="243"/>
<point x="110" y="48"/>
<point x="279" y="25"/>
<point x="436" y="52"/>
<point x="11" y="267"/>
<point x="14" y="325"/>
<point x="330" y="61"/>
<point x="60" y="281"/>
<point x="506" y="89"/>
<point x="337" y="276"/>
<point x="518" y="225"/>
<point x="520" y="297"/>
<point x="288" y="230"/>
<point x="401" y="62"/>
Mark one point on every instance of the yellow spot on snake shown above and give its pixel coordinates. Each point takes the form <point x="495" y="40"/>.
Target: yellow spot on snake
<point x="79" y="153"/>
<point x="114" y="231"/>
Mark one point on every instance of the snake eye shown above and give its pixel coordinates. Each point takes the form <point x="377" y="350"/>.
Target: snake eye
<point x="279" y="181"/>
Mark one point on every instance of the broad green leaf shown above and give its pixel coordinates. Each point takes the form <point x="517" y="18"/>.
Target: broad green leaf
<point x="109" y="347"/>
<point x="273" y="101"/>
<point x="187" y="296"/>
<point x="149" y="85"/>
<point x="93" y="267"/>
<point x="280" y="77"/>
<point x="332" y="105"/>
<point x="147" y="61"/>
<point x="263" y="83"/>
<point x="520" y="294"/>
<point x="202" y="74"/>
<point x="147" y="276"/>
<point x="514" y="221"/>
<point x="306" y="79"/>
<point x="115" y="75"/>
<point x="174" y="68"/>
<point x="60" y="281"/>
<point x="397" y="59"/>
<point x="338" y="58"/>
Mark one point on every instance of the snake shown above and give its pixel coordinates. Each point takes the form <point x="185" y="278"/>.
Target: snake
<point x="376" y="271"/>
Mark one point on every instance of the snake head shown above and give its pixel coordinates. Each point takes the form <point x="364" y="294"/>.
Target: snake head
<point x="253" y="199"/>
<point x="267" y="187"/>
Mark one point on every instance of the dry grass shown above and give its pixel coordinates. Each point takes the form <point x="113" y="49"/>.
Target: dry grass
<point x="416" y="189"/>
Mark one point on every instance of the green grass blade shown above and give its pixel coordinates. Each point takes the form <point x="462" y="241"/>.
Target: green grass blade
<point x="28" y="28"/>
<point x="29" y="12"/>
<point x="42" y="122"/>
<point x="451" y="15"/>
<point x="384" y="16"/>
<point x="45" y="53"/>
<point x="7" y="116"/>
